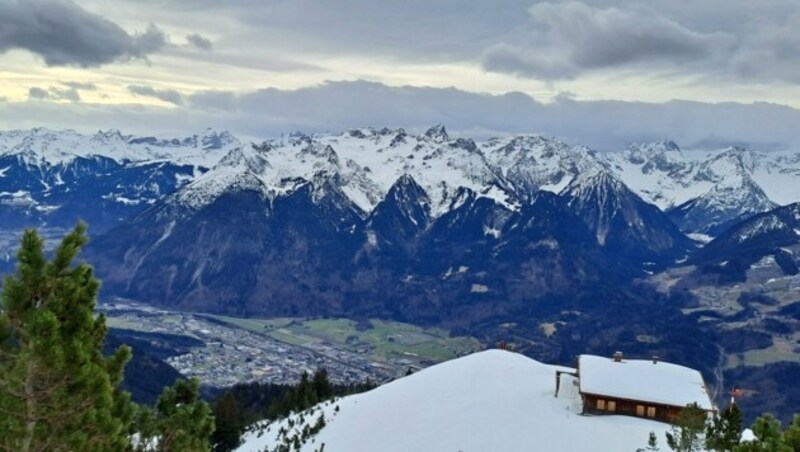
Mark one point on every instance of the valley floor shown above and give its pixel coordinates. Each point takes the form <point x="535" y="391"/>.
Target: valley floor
<point x="280" y="350"/>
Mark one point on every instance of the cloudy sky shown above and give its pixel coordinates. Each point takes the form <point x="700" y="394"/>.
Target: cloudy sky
<point x="602" y="73"/>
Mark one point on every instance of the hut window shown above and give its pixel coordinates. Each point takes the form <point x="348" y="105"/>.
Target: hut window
<point x="651" y="411"/>
<point x="640" y="410"/>
<point x="601" y="404"/>
<point x="612" y="405"/>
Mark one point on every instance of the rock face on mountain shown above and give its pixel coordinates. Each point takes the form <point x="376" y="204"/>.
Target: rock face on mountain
<point x="625" y="223"/>
<point x="733" y="197"/>
<point x="772" y="233"/>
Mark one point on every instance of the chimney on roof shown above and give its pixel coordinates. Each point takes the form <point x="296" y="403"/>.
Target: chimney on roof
<point x="618" y="357"/>
<point x="655" y="359"/>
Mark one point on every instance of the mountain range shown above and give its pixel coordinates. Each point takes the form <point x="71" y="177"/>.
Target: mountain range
<point x="422" y="227"/>
<point x="38" y="167"/>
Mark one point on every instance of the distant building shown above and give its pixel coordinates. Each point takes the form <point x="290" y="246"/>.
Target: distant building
<point x="643" y="388"/>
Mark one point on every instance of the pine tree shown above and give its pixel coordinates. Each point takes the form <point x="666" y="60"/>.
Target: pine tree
<point x="769" y="437"/>
<point x="652" y="442"/>
<point x="56" y="387"/>
<point x="792" y="434"/>
<point x="687" y="433"/>
<point x="724" y="432"/>
<point x="181" y="422"/>
<point x="322" y="385"/>
<point x="230" y="423"/>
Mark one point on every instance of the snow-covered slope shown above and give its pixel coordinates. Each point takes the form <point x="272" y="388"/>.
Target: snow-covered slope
<point x="531" y="163"/>
<point x="708" y="191"/>
<point x="489" y="401"/>
<point x="712" y="189"/>
<point x="45" y="147"/>
<point x="363" y="163"/>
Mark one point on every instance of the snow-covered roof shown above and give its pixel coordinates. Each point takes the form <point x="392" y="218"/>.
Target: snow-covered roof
<point x="635" y="379"/>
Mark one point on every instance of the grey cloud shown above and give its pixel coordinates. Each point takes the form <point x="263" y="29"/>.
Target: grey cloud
<point x="64" y="34"/>
<point x="566" y="39"/>
<point x="151" y="41"/>
<point x="199" y="42"/>
<point x="248" y="61"/>
<point x="80" y="86"/>
<point x="54" y="93"/>
<point x="772" y="54"/>
<point x="71" y="94"/>
<point x="166" y="95"/>
<point x="38" y="93"/>
<point x="214" y="100"/>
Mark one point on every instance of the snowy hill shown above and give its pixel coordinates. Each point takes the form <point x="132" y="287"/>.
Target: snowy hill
<point x="489" y="401"/>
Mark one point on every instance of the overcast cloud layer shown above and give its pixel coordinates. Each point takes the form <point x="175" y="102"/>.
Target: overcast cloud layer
<point x="603" y="73"/>
<point x="338" y="106"/>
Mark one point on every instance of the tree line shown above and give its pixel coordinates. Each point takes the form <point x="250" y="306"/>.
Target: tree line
<point x="245" y="403"/>
<point x="694" y="430"/>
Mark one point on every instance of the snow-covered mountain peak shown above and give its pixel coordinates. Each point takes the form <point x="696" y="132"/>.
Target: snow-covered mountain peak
<point x="597" y="182"/>
<point x="733" y="161"/>
<point x="111" y="136"/>
<point x="600" y="193"/>
<point x="45" y="147"/>
<point x="405" y="191"/>
<point x="655" y="147"/>
<point x="212" y="139"/>
<point x="465" y="143"/>
<point x="660" y="156"/>
<point x="525" y="147"/>
<point x="621" y="219"/>
<point x="658" y="151"/>
<point x="245" y="158"/>
<point x="437" y="134"/>
<point x="531" y="163"/>
<point x="323" y="152"/>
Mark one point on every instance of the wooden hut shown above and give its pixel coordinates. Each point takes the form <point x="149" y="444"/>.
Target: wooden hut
<point x="643" y="388"/>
